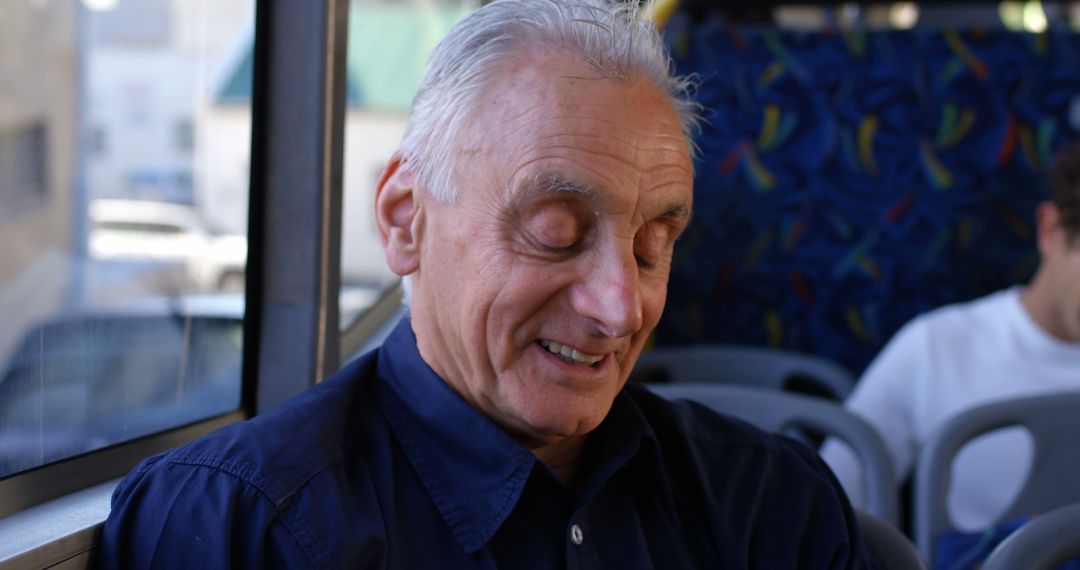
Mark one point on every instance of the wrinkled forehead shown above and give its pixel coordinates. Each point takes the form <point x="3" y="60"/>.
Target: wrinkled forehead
<point x="563" y="79"/>
<point x="560" y="184"/>
<point x="559" y="127"/>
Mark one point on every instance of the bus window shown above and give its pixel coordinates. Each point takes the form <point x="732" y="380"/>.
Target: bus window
<point x="123" y="214"/>
<point x="389" y="43"/>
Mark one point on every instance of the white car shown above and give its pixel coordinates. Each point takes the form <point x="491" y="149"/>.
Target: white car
<point x="167" y="233"/>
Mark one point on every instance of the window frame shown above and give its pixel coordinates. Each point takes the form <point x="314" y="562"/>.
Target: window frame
<point x="293" y="266"/>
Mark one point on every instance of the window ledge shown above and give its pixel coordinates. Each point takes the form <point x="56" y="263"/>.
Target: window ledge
<point x="56" y="531"/>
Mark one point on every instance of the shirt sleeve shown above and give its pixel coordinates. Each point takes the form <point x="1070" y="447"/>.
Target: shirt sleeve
<point x="168" y="515"/>
<point x="885" y="398"/>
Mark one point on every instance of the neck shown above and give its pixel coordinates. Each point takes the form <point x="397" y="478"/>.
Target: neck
<point x="564" y="458"/>
<point x="1036" y="299"/>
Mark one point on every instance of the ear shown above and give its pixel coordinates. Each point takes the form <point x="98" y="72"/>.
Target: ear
<point x="1051" y="236"/>
<point x="399" y="216"/>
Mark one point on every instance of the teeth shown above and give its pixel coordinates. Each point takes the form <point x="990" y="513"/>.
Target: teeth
<point x="570" y="354"/>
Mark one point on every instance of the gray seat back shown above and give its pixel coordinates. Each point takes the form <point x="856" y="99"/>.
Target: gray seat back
<point x="1053" y="422"/>
<point x="777" y="411"/>
<point x="1050" y="540"/>
<point x="887" y="547"/>
<point x="752" y="366"/>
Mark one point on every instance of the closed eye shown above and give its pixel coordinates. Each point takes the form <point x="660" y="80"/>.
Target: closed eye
<point x="557" y="227"/>
<point x="653" y="243"/>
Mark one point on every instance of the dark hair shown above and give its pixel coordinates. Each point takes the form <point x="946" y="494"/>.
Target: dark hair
<point x="1065" y="188"/>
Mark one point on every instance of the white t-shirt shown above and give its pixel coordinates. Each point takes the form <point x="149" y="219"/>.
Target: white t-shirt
<point x="943" y="363"/>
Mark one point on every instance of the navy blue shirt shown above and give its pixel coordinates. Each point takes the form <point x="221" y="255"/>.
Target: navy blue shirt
<point x="384" y="466"/>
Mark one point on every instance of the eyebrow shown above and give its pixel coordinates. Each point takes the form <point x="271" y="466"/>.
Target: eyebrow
<point x="555" y="183"/>
<point x="551" y="183"/>
<point x="676" y="211"/>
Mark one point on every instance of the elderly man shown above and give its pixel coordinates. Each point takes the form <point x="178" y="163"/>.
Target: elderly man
<point x="534" y="204"/>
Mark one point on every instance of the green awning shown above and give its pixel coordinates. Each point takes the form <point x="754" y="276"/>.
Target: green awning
<point x="388" y="47"/>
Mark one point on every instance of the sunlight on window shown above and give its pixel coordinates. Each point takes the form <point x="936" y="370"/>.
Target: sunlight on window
<point x="123" y="220"/>
<point x="389" y="43"/>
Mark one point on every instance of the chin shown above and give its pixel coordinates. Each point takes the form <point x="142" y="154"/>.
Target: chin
<point x="552" y="422"/>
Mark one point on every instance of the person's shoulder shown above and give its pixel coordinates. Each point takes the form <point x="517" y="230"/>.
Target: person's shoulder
<point x="961" y="317"/>
<point x="690" y="427"/>
<point x="732" y="478"/>
<point x="253" y="493"/>
<point x="281" y="450"/>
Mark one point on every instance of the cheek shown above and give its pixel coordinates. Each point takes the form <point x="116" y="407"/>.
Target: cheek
<point x="518" y="293"/>
<point x="653" y="298"/>
<point x="1074" y="319"/>
<point x="1070" y="289"/>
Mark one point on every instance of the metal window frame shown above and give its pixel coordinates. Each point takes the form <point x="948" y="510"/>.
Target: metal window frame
<point x="297" y="141"/>
<point x="298" y="133"/>
<point x="369" y="330"/>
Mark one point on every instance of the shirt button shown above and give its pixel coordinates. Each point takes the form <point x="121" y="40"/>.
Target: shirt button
<point x="576" y="535"/>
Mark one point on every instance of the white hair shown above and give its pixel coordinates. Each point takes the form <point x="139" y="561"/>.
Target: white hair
<point x="613" y="38"/>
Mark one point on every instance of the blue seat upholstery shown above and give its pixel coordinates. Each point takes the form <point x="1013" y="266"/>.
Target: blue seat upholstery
<point x="851" y="181"/>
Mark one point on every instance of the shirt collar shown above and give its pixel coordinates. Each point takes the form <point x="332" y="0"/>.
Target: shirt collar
<point x="624" y="438"/>
<point x="475" y="472"/>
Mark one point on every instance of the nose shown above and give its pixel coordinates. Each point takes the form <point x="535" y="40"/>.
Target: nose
<point x="609" y="292"/>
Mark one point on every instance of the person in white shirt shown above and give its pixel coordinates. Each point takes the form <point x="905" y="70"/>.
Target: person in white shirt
<point x="1023" y="341"/>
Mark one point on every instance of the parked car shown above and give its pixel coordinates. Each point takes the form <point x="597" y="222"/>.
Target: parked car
<point x="167" y="235"/>
<point x="82" y="382"/>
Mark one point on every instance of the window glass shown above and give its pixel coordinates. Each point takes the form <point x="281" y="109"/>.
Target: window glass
<point x="389" y="43"/>
<point x="123" y="209"/>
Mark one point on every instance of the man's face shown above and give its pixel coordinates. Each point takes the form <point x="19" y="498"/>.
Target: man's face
<point x="538" y="286"/>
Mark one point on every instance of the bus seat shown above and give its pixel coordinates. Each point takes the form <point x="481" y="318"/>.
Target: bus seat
<point x="850" y="182"/>
<point x="1052" y="422"/>
<point x="887" y="547"/>
<point x="1046" y="542"/>
<point x="746" y="365"/>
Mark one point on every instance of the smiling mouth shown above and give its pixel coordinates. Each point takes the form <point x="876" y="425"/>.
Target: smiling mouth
<point x="570" y="354"/>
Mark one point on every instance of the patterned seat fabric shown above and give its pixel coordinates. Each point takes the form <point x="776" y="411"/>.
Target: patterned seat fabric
<point x="850" y="181"/>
